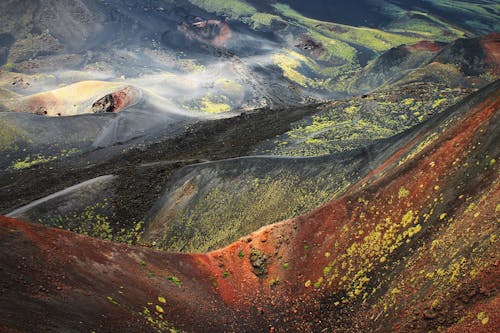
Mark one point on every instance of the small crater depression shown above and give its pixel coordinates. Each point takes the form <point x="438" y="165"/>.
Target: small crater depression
<point x="105" y="104"/>
<point x="115" y="101"/>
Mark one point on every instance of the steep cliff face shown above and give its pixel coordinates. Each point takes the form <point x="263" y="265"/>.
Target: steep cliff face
<point x="411" y="246"/>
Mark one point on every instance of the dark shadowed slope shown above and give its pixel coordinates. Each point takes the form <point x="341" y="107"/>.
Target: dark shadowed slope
<point x="413" y="246"/>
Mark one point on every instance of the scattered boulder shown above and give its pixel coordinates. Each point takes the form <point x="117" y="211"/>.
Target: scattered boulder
<point x="258" y="261"/>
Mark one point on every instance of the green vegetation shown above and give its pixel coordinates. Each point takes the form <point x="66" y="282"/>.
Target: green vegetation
<point x="349" y="124"/>
<point x="11" y="136"/>
<point x="28" y="162"/>
<point x="427" y="27"/>
<point x="318" y="283"/>
<point x="483" y="16"/>
<point x="483" y="318"/>
<point x="111" y="300"/>
<point x="289" y="66"/>
<point x="373" y="247"/>
<point x="233" y="9"/>
<point x="335" y="49"/>
<point x="214" y="104"/>
<point x="93" y="221"/>
<point x="238" y="9"/>
<point x="438" y="102"/>
<point x="258" y="202"/>
<point x="155" y="317"/>
<point x="403" y="192"/>
<point x="339" y="45"/>
<point x="174" y="280"/>
<point x="292" y="63"/>
<point x="263" y="19"/>
<point x="337" y="38"/>
<point x="274" y="282"/>
<point x="9" y="66"/>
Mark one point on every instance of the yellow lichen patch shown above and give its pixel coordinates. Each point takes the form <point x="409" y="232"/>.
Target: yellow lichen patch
<point x="351" y="109"/>
<point x="447" y="269"/>
<point x="162" y="299"/>
<point x="425" y="143"/>
<point x="289" y="67"/>
<point x="483" y="318"/>
<point x="290" y="61"/>
<point x="159" y="309"/>
<point x="438" y="102"/>
<point x="318" y="283"/>
<point x="407" y="218"/>
<point x="408" y="101"/>
<point x="470" y="208"/>
<point x="414" y="230"/>
<point x="30" y="161"/>
<point x="263" y="19"/>
<point x="313" y="141"/>
<point x="210" y="106"/>
<point x="233" y="9"/>
<point x="353" y="267"/>
<point x="403" y="192"/>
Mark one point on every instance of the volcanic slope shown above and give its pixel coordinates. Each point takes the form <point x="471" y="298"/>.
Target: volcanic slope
<point x="403" y="87"/>
<point x="412" y="246"/>
<point x="212" y="204"/>
<point x="156" y="79"/>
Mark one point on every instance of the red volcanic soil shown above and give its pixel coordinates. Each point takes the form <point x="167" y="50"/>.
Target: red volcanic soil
<point x="57" y="280"/>
<point x="426" y="45"/>
<point x="491" y="46"/>
<point x="124" y="97"/>
<point x="413" y="247"/>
